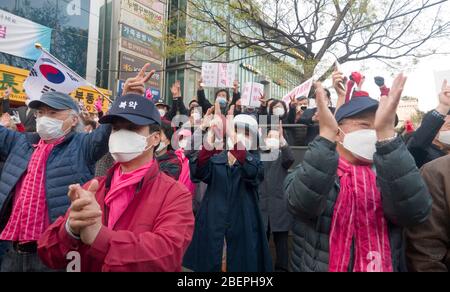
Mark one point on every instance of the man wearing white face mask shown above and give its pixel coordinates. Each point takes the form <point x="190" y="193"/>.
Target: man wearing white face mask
<point x="356" y="191"/>
<point x="39" y="169"/>
<point x="136" y="219"/>
<point x="432" y="140"/>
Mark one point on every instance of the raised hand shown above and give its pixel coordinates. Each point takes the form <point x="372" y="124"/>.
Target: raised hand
<point x="200" y="84"/>
<point x="263" y="100"/>
<point x="236" y="86"/>
<point x="444" y="99"/>
<point x="386" y="113"/>
<point x="339" y="83"/>
<point x="230" y="131"/>
<point x="293" y="103"/>
<point x="217" y="125"/>
<point x="328" y="124"/>
<point x="136" y="85"/>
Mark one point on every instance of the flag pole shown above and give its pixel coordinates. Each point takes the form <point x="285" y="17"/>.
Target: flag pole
<point x="39" y="47"/>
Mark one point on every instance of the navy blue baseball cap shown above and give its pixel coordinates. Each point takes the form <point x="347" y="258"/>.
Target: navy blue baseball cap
<point x="356" y="106"/>
<point x="161" y="102"/>
<point x="135" y="109"/>
<point x="55" y="100"/>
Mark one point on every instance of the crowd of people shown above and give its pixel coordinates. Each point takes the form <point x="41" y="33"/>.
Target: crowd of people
<point x="206" y="186"/>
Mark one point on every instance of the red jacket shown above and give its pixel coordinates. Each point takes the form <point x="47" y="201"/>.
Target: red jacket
<point x="151" y="236"/>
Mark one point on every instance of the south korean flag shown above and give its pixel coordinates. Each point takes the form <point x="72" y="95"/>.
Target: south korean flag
<point x="50" y="75"/>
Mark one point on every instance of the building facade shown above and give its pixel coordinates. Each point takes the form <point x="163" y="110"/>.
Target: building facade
<point x="74" y="31"/>
<point x="69" y="30"/>
<point x="130" y="33"/>
<point x="408" y="107"/>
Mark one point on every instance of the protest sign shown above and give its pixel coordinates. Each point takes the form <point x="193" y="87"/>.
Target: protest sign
<point x="218" y="75"/>
<point x="251" y="94"/>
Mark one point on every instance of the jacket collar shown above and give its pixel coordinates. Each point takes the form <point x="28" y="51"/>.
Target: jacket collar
<point x="33" y="138"/>
<point x="149" y="177"/>
<point x="148" y="181"/>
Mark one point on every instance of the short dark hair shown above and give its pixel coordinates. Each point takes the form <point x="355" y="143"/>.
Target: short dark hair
<point x="277" y="102"/>
<point x="91" y="123"/>
<point x="226" y="92"/>
<point x="154" y="128"/>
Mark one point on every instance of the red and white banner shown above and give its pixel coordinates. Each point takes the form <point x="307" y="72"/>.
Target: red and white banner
<point x="302" y="90"/>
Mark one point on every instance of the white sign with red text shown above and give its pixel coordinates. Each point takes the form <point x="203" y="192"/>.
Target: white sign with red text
<point x="218" y="75"/>
<point x="252" y="94"/>
<point x="302" y="90"/>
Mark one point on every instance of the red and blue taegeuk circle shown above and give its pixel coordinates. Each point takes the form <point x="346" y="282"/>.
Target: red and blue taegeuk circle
<point x="52" y="74"/>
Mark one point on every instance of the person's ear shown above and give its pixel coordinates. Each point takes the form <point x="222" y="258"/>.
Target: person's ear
<point x="75" y="120"/>
<point x="155" y="139"/>
<point x="340" y="136"/>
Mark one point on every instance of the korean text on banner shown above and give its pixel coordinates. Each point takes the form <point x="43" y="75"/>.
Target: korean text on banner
<point x="302" y="90"/>
<point x="218" y="75"/>
<point x="251" y="94"/>
<point x="18" y="36"/>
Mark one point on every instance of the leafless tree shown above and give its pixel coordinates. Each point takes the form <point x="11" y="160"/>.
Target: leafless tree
<point x="308" y="30"/>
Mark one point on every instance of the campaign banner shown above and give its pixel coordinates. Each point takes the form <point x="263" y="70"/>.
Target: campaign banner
<point x="301" y="90"/>
<point x="18" y="36"/>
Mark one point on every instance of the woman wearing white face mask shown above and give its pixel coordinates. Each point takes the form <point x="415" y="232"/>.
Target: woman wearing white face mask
<point x="135" y="200"/>
<point x="278" y="109"/>
<point x="352" y="202"/>
<point x="229" y="210"/>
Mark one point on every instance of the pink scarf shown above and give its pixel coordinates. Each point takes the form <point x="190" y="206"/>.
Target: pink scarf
<point x="29" y="216"/>
<point x="185" y="176"/>
<point x="123" y="188"/>
<point x="358" y="215"/>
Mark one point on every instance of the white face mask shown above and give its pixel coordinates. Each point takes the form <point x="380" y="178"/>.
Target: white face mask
<point x="244" y="140"/>
<point x="362" y="144"/>
<point x="162" y="112"/>
<point x="49" y="129"/>
<point x="444" y="137"/>
<point x="196" y="116"/>
<point x="222" y="101"/>
<point x="183" y="144"/>
<point x="278" y="111"/>
<point x="161" y="147"/>
<point x="273" y="143"/>
<point x="125" y="145"/>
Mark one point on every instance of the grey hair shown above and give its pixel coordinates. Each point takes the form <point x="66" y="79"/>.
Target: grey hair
<point x="79" y="127"/>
